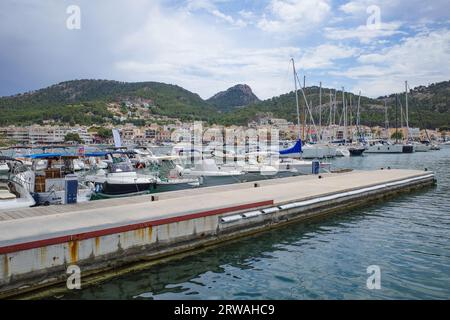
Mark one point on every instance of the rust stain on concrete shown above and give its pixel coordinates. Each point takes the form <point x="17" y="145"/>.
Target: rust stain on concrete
<point x="149" y="233"/>
<point x="43" y="255"/>
<point x="5" y="266"/>
<point x="140" y="234"/>
<point x="97" y="244"/>
<point x="73" y="249"/>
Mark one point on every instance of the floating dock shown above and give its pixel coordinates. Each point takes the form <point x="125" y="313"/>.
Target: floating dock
<point x="37" y="245"/>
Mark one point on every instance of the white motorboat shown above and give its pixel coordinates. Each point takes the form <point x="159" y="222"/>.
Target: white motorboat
<point x="14" y="196"/>
<point x="4" y="168"/>
<point x="120" y="178"/>
<point x="56" y="183"/>
<point x="169" y="176"/>
<point x="421" y="147"/>
<point x="13" y="192"/>
<point x="342" y="152"/>
<point x="210" y="174"/>
<point x="435" y="147"/>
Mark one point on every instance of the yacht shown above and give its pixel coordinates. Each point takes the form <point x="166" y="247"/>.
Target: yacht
<point x="169" y="175"/>
<point x="4" y="167"/>
<point x="356" y="151"/>
<point x="119" y="178"/>
<point x="209" y="174"/>
<point x="13" y="192"/>
<point x="309" y="151"/>
<point x="421" y="147"/>
<point x="382" y="146"/>
<point x="55" y="183"/>
<point x="342" y="152"/>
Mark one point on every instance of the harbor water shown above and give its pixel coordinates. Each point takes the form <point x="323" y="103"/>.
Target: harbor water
<point x="407" y="237"/>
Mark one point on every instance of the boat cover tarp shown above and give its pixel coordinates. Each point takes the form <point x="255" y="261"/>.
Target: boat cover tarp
<point x="297" y="148"/>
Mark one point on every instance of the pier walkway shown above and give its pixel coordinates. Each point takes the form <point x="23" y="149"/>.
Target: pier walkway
<point x="37" y="243"/>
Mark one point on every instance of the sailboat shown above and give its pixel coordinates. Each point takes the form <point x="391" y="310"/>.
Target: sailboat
<point x="300" y="150"/>
<point x="386" y="146"/>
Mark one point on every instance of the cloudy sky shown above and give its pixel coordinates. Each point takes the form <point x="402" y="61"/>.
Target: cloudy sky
<point x="209" y="45"/>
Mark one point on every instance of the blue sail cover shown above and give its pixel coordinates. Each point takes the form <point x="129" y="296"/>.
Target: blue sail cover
<point x="297" y="148"/>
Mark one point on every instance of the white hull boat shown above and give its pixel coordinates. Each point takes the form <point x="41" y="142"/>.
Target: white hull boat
<point x="342" y="152"/>
<point x="210" y="174"/>
<point x="13" y="195"/>
<point x="385" y="148"/>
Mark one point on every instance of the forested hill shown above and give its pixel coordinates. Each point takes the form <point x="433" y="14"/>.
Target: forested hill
<point x="85" y="102"/>
<point x="428" y="107"/>
<point x="235" y="97"/>
<point x="88" y="102"/>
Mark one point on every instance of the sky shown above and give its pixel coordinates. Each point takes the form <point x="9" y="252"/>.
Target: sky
<point x="206" y="46"/>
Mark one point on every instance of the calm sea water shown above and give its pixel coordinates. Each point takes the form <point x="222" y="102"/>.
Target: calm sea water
<point x="407" y="237"/>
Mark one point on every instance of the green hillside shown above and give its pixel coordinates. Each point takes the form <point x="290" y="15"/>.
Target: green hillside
<point x="238" y="96"/>
<point x="428" y="107"/>
<point x="85" y="102"/>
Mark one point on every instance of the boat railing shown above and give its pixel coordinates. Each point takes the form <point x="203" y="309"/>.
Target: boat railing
<point x="17" y="176"/>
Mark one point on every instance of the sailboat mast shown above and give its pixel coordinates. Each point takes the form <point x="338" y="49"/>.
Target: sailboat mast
<point x="344" y="108"/>
<point x="296" y="99"/>
<point x="303" y="115"/>
<point x="358" y="116"/>
<point x="396" y="118"/>
<point x="407" y="108"/>
<point x="331" y="108"/>
<point x="386" y="119"/>
<point x="320" y="112"/>
<point x="334" y="107"/>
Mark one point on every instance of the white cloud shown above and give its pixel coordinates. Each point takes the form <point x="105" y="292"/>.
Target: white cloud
<point x="404" y="10"/>
<point x="363" y="33"/>
<point x="294" y="15"/>
<point x="421" y="59"/>
<point x="353" y="7"/>
<point x="210" y="7"/>
<point x="324" y="56"/>
<point x="249" y="15"/>
<point x="200" y="57"/>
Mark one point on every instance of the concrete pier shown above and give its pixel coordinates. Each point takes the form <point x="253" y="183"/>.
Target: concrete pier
<point x="37" y="245"/>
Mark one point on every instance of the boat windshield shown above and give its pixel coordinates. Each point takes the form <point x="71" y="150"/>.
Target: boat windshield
<point x="120" y="167"/>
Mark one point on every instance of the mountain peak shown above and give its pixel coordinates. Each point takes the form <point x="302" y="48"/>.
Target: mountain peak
<point x="238" y="96"/>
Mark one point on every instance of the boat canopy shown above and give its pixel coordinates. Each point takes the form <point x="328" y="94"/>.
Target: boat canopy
<point x="51" y="156"/>
<point x="5" y="158"/>
<point x="105" y="153"/>
<point x="96" y="154"/>
<point x="297" y="148"/>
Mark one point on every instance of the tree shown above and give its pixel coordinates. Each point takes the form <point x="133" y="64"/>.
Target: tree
<point x="72" y="137"/>
<point x="104" y="133"/>
<point x="397" y="135"/>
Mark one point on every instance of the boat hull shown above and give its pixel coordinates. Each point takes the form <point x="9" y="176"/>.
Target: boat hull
<point x="124" y="188"/>
<point x="356" y="152"/>
<point x="385" y="148"/>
